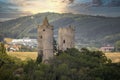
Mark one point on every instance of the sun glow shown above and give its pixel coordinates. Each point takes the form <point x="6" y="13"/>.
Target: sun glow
<point x="45" y="6"/>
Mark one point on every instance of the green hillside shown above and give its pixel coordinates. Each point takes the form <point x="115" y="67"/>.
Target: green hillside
<point x="90" y="30"/>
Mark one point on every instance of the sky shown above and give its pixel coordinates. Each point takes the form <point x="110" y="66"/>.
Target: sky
<point x="10" y="9"/>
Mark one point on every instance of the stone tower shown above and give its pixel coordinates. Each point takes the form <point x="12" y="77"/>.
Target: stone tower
<point x="66" y="38"/>
<point x="45" y="41"/>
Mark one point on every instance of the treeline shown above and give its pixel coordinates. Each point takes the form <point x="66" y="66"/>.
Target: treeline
<point x="68" y="65"/>
<point x="1" y="37"/>
<point x="7" y="65"/>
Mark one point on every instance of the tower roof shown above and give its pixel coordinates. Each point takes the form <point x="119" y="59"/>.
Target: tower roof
<point x="45" y="22"/>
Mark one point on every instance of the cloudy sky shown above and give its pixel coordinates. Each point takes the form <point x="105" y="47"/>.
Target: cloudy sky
<point x="10" y="9"/>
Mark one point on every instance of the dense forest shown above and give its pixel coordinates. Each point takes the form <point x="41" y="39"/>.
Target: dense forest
<point x="68" y="65"/>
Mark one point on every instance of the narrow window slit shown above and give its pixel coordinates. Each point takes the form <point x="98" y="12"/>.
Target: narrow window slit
<point x="63" y="41"/>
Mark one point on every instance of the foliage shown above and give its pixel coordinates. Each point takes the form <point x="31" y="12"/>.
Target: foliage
<point x="107" y="72"/>
<point x="68" y="65"/>
<point x="39" y="58"/>
<point x="7" y="65"/>
<point x="54" y="45"/>
<point x="1" y="36"/>
<point x="2" y="49"/>
<point x="117" y="46"/>
<point x="73" y="65"/>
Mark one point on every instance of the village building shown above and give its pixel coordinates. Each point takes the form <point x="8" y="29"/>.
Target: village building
<point x="107" y="48"/>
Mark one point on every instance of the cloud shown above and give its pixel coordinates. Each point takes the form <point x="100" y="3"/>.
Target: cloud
<point x="17" y="8"/>
<point x="9" y="10"/>
<point x="36" y="6"/>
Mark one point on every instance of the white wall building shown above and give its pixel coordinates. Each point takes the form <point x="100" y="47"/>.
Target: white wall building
<point x="25" y="41"/>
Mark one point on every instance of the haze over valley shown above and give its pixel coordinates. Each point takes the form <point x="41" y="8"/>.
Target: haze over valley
<point x="90" y="30"/>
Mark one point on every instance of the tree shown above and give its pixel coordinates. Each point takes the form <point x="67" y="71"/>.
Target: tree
<point x="1" y="37"/>
<point x="117" y="46"/>
<point x="54" y="45"/>
<point x="2" y="49"/>
<point x="71" y="64"/>
<point x="7" y="65"/>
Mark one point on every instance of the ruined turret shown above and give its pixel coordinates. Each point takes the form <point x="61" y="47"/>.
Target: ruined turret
<point x="45" y="41"/>
<point x="66" y="38"/>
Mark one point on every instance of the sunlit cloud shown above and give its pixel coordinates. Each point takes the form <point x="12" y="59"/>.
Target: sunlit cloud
<point x="37" y="6"/>
<point x="18" y="8"/>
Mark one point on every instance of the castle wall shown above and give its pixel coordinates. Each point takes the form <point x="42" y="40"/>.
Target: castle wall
<point x="48" y="44"/>
<point x="65" y="38"/>
<point x="40" y="43"/>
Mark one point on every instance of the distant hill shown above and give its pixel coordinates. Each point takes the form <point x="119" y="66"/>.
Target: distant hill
<point x="90" y="30"/>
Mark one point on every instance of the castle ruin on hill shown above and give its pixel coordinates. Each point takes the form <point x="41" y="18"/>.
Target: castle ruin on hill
<point x="65" y="38"/>
<point x="45" y="40"/>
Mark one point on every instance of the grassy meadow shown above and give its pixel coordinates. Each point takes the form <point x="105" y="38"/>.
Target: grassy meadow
<point x="23" y="55"/>
<point x="115" y="57"/>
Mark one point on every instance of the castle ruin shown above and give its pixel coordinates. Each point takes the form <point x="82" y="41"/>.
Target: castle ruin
<point x="45" y="40"/>
<point x="66" y="38"/>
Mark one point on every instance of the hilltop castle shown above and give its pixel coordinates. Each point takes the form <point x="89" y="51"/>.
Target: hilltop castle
<point x="45" y="40"/>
